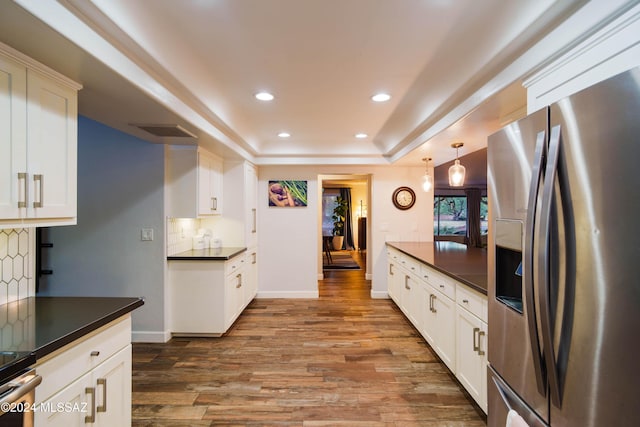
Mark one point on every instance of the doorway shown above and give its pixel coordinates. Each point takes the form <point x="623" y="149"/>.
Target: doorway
<point x="330" y="188"/>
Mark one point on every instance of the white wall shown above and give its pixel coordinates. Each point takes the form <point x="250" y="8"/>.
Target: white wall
<point x="120" y="191"/>
<point x="289" y="243"/>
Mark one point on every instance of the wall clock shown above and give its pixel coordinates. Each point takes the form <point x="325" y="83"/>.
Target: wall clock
<point x="403" y="198"/>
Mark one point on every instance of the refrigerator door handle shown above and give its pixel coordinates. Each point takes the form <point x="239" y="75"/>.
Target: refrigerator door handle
<point x="546" y="323"/>
<point x="528" y="277"/>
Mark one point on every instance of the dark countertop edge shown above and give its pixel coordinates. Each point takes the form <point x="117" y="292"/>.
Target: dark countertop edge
<point x="464" y="281"/>
<point x="227" y="257"/>
<point x="17" y="367"/>
<point x="88" y="328"/>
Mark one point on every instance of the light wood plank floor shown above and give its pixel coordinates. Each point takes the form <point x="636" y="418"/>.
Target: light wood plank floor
<point x="341" y="360"/>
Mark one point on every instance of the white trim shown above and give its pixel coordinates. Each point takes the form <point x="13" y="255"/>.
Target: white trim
<point x="368" y="276"/>
<point x="150" y="336"/>
<point x="379" y="294"/>
<point x="613" y="49"/>
<point x="289" y="294"/>
<point x="32" y="64"/>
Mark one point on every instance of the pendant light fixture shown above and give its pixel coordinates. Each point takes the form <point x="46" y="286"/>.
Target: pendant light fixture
<point x="427" y="182"/>
<point x="457" y="171"/>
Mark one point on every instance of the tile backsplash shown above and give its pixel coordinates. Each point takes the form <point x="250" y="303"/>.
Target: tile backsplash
<point x="179" y="234"/>
<point x="16" y="275"/>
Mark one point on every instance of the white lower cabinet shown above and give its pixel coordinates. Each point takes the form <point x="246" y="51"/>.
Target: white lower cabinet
<point x="451" y="317"/>
<point x="208" y="296"/>
<point x="472" y="341"/>
<point x="88" y="382"/>
<point x="471" y="356"/>
<point x="440" y="325"/>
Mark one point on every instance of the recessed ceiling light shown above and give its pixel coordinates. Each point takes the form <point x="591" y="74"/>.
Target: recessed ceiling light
<point x="361" y="135"/>
<point x="284" y="134"/>
<point x="264" y="96"/>
<point x="381" y="97"/>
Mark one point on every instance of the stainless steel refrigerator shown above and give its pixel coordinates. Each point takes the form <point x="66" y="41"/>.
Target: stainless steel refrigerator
<point x="564" y="261"/>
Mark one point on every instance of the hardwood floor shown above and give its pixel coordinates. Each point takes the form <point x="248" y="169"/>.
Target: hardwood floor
<point x="341" y="360"/>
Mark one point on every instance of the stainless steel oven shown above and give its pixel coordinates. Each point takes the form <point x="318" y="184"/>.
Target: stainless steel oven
<point x="17" y="396"/>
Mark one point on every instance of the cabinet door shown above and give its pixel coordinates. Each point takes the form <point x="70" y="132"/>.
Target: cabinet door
<point x="51" y="147"/>
<point x="392" y="281"/>
<point x="251" y="276"/>
<point x="70" y="407"/>
<point x="209" y="184"/>
<point x="430" y="322"/>
<point x="445" y="320"/>
<point x="471" y="357"/>
<point x="112" y="380"/>
<point x="231" y="297"/>
<point x="251" y="204"/>
<point x="13" y="125"/>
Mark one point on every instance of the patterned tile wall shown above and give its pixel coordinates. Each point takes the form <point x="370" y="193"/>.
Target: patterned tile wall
<point x="15" y="265"/>
<point x="179" y="234"/>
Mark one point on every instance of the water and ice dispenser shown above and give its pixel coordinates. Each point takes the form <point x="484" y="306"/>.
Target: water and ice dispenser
<point x="508" y="269"/>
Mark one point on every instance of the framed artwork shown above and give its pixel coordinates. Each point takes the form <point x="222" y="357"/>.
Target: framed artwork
<point x="287" y="193"/>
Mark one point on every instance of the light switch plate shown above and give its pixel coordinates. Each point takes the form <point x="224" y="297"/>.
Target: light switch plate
<point x="146" y="234"/>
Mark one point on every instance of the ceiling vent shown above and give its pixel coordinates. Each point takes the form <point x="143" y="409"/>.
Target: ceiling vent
<point x="173" y="131"/>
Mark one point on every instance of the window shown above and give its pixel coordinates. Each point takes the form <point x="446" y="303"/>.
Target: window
<point x="450" y="216"/>
<point x="484" y="216"/>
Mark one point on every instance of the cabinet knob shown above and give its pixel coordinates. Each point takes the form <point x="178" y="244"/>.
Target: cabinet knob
<point x="95" y="353"/>
<point x="465" y="301"/>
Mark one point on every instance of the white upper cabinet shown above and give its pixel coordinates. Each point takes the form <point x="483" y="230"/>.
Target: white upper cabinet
<point x="209" y="184"/>
<point x="13" y="138"/>
<point x="194" y="182"/>
<point x="38" y="144"/>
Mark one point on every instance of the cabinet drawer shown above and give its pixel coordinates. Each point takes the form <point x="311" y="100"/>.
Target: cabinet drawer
<point x="473" y="302"/>
<point x="79" y="357"/>
<point x="438" y="281"/>
<point x="447" y="287"/>
<point x="234" y="264"/>
<point x="410" y="264"/>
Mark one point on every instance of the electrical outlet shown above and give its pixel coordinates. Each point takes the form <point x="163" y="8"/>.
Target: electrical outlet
<point x="146" y="234"/>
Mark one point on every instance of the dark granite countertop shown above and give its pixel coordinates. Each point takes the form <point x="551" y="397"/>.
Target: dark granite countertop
<point x="35" y="327"/>
<point x="210" y="254"/>
<point x="467" y="265"/>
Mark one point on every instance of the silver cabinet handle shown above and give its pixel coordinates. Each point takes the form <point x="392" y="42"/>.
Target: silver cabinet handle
<point x="254" y="258"/>
<point x="94" y="353"/>
<point x="40" y="179"/>
<point x="406" y="283"/>
<point x="23" y="203"/>
<point x="434" y="303"/>
<point x="441" y="286"/>
<point x="391" y="269"/>
<point x="239" y="277"/>
<point x="465" y="301"/>
<point x="431" y="303"/>
<point x="103" y="382"/>
<point x="253" y="230"/>
<point x="480" y="352"/>
<point x="88" y="419"/>
<point x="214" y="203"/>
<point x="476" y="347"/>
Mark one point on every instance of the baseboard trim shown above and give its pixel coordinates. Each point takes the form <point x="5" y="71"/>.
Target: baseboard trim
<point x="288" y="294"/>
<point x="379" y="295"/>
<point x="150" y="336"/>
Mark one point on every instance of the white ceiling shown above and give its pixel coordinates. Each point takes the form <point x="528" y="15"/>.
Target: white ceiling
<point x="198" y="63"/>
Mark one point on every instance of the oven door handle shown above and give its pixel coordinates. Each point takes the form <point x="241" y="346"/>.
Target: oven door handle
<point x="21" y="390"/>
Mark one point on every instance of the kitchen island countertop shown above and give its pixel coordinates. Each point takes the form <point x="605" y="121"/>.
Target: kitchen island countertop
<point x="40" y="325"/>
<point x="209" y="254"/>
<point x="467" y="265"/>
